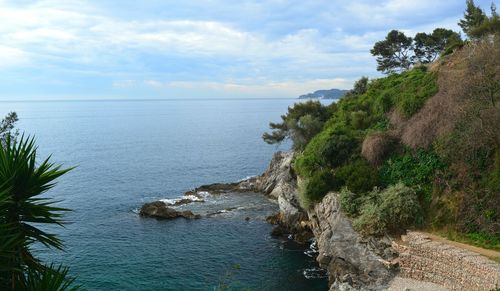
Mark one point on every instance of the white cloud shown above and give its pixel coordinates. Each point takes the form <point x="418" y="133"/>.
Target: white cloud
<point x="154" y="83"/>
<point x="280" y="46"/>
<point x="81" y="37"/>
<point x="124" y="84"/>
<point x="10" y="56"/>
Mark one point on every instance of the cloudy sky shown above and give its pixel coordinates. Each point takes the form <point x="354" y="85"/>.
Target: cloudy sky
<point x="128" y="49"/>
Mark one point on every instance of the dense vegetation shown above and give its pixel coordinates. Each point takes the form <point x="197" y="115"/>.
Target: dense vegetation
<point x="420" y="148"/>
<point x="358" y="118"/>
<point x="22" y="180"/>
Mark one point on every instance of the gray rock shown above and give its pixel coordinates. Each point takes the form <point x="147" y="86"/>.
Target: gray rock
<point x="354" y="260"/>
<point x="160" y="210"/>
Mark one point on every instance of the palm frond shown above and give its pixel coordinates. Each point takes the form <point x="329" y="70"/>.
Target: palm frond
<point x="49" y="278"/>
<point x="22" y="181"/>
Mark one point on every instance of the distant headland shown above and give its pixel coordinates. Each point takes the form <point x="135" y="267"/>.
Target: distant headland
<point x="325" y="94"/>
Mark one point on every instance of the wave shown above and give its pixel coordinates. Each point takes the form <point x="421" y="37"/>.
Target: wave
<point x="312" y="251"/>
<point x="247" y="178"/>
<point x="189" y="198"/>
<point x="315" y="273"/>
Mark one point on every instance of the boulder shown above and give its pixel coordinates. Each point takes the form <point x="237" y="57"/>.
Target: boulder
<point x="159" y="210"/>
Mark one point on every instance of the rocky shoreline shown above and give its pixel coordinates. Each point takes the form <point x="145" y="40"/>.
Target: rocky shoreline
<point x="345" y="266"/>
<point x="353" y="262"/>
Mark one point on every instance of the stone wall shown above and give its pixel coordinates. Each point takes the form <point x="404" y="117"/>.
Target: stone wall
<point x="444" y="264"/>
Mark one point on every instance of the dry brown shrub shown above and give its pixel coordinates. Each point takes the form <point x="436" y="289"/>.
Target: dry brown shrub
<point x="397" y="122"/>
<point x="376" y="146"/>
<point x="467" y="79"/>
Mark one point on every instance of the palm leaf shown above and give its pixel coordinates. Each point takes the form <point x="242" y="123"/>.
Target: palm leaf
<point x="22" y="181"/>
<point x="49" y="278"/>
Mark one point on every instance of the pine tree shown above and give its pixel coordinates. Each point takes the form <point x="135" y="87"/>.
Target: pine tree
<point x="473" y="18"/>
<point x="395" y="53"/>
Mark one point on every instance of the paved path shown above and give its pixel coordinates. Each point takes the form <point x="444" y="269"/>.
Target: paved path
<point x="407" y="284"/>
<point x="481" y="251"/>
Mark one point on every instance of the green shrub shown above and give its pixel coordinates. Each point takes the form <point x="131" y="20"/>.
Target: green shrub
<point x="311" y="158"/>
<point x="399" y="206"/>
<point x="407" y="91"/>
<point x="484" y="239"/>
<point x="413" y="169"/>
<point x="338" y="149"/>
<point x="370" y="221"/>
<point x="360" y="119"/>
<point x="316" y="187"/>
<point x="383" y="103"/>
<point x="491" y="180"/>
<point x="349" y="201"/>
<point x="393" y="209"/>
<point x="330" y="148"/>
<point x="358" y="176"/>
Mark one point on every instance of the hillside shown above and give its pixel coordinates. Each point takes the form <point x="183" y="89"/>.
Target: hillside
<point x="420" y="149"/>
<point x="325" y="94"/>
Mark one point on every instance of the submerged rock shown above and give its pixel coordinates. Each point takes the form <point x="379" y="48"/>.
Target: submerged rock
<point x="222" y="211"/>
<point x="160" y="210"/>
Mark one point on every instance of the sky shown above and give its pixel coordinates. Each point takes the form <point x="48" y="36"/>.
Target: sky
<point x="124" y="49"/>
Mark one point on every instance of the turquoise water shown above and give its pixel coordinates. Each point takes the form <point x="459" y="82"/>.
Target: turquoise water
<point x="131" y="152"/>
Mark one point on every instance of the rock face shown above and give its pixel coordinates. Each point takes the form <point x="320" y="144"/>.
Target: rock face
<point x="160" y="210"/>
<point x="353" y="262"/>
<point x="280" y="182"/>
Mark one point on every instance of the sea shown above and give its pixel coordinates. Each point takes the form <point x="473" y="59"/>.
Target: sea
<point x="129" y="152"/>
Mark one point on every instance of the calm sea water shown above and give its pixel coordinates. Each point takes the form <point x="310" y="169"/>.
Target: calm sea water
<point x="131" y="152"/>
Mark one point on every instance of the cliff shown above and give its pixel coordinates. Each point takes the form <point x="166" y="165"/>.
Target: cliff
<point x="351" y="261"/>
<point x="356" y="262"/>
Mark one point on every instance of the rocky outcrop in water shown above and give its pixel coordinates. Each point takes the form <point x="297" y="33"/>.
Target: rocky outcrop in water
<point x="352" y="262"/>
<point x="280" y="182"/>
<point x="160" y="210"/>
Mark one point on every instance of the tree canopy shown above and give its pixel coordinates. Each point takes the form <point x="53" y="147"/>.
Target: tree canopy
<point x="394" y="53"/>
<point x="473" y="17"/>
<point x="360" y="86"/>
<point x="489" y="26"/>
<point x="301" y="123"/>
<point x="428" y="47"/>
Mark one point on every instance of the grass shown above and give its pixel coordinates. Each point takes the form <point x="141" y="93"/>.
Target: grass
<point x="482" y="240"/>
